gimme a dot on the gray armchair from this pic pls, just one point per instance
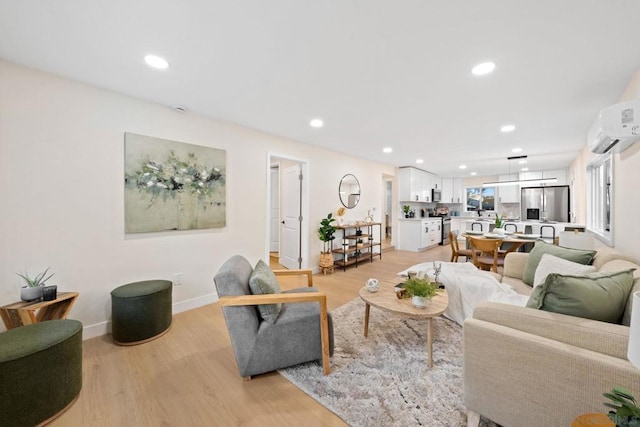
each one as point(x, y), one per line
point(302, 332)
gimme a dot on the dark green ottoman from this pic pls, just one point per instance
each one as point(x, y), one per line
point(140, 311)
point(40, 371)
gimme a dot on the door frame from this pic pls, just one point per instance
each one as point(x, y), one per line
point(305, 228)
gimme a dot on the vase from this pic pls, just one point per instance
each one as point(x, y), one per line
point(419, 302)
point(28, 293)
point(49, 293)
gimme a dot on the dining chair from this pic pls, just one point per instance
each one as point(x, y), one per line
point(510, 226)
point(485, 253)
point(455, 247)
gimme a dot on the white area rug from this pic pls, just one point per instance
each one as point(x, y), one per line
point(384, 380)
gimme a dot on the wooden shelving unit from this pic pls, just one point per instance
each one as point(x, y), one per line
point(358, 243)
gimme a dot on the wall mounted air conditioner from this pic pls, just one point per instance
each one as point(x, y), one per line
point(617, 127)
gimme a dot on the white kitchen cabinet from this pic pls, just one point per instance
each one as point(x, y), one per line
point(414, 185)
point(508, 193)
point(416, 235)
point(451, 190)
point(435, 232)
point(425, 236)
point(407, 184)
point(409, 234)
point(561, 175)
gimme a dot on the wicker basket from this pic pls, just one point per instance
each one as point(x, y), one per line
point(326, 259)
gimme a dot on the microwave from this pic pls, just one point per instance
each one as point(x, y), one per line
point(436, 195)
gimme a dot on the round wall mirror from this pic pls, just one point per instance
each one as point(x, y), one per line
point(349, 191)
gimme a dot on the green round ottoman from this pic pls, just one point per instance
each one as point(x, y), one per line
point(140, 311)
point(40, 371)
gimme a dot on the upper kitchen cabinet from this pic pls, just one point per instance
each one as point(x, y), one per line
point(451, 190)
point(414, 185)
point(409, 184)
point(508, 193)
point(560, 174)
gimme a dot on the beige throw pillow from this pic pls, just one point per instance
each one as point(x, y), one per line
point(553, 264)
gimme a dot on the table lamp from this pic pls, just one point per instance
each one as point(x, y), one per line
point(633, 353)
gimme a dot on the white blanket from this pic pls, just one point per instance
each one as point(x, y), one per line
point(467, 287)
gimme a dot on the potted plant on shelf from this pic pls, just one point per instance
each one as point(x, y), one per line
point(627, 412)
point(33, 289)
point(326, 233)
point(406, 209)
point(420, 290)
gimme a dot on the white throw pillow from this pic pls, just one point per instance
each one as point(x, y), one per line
point(552, 264)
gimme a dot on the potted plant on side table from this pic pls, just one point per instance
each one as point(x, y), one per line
point(33, 289)
point(420, 290)
point(326, 233)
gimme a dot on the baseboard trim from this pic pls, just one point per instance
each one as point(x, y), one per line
point(104, 328)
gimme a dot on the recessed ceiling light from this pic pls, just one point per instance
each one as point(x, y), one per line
point(156, 62)
point(482, 69)
point(419, 161)
point(516, 150)
point(316, 123)
point(507, 128)
point(462, 166)
point(522, 162)
point(473, 174)
point(387, 150)
point(524, 169)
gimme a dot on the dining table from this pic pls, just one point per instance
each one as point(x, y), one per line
point(514, 241)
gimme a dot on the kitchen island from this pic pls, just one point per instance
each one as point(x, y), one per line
point(547, 230)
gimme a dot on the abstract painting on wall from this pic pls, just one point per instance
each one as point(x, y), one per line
point(171, 185)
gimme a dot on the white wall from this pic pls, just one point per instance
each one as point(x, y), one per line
point(626, 168)
point(61, 178)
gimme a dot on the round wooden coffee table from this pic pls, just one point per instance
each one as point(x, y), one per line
point(386, 299)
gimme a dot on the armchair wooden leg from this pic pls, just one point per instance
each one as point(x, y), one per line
point(324, 332)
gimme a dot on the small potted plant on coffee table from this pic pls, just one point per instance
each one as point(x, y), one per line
point(420, 290)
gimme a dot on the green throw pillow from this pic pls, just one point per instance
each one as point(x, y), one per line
point(261, 282)
point(597, 296)
point(576, 255)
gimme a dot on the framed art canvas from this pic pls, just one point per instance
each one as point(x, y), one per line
point(170, 185)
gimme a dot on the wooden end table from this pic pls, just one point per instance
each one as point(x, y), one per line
point(26, 313)
point(386, 299)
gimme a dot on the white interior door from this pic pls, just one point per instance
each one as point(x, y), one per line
point(290, 244)
point(274, 244)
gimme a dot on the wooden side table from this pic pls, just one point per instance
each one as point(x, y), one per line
point(26, 313)
point(592, 420)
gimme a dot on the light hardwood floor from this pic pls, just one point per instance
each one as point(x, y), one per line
point(188, 377)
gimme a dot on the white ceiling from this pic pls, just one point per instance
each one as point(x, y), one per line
point(378, 72)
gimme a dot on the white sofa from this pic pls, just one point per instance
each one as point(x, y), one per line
point(527, 367)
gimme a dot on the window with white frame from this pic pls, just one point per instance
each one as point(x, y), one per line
point(599, 198)
point(480, 198)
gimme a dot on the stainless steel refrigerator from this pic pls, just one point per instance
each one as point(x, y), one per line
point(545, 203)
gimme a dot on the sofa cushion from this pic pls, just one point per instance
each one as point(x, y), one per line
point(552, 264)
point(576, 255)
point(621, 264)
point(598, 296)
point(261, 282)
